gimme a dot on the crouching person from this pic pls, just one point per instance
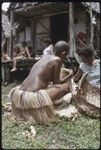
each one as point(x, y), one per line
point(88, 95)
point(33, 97)
point(89, 66)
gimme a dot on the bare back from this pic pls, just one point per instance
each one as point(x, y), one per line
point(42, 73)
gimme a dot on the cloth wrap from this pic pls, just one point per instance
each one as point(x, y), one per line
point(37, 105)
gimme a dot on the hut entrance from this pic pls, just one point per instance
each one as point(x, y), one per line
point(59, 27)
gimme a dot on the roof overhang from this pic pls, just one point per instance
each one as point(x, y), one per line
point(43, 9)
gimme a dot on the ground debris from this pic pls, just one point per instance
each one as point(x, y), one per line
point(69, 112)
point(33, 131)
point(53, 146)
point(7, 107)
point(30, 134)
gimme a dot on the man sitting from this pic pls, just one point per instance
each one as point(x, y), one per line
point(33, 96)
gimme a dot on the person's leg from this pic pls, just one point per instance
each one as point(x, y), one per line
point(14, 65)
point(58, 91)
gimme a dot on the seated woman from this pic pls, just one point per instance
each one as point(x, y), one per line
point(88, 95)
point(22, 53)
point(90, 66)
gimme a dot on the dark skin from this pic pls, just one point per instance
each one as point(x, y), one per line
point(46, 70)
point(79, 73)
point(23, 52)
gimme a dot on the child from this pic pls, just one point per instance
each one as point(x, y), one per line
point(89, 66)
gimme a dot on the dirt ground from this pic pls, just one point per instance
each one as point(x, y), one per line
point(83, 133)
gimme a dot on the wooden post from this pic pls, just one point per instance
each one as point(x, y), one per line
point(92, 27)
point(32, 34)
point(71, 29)
point(72, 37)
point(87, 28)
point(5, 73)
point(11, 37)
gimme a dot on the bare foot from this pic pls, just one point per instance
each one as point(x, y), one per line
point(5, 83)
point(14, 69)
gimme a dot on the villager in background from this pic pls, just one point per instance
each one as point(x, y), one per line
point(34, 97)
point(49, 49)
point(5, 56)
point(22, 54)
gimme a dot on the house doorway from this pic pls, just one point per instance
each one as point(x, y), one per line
point(59, 28)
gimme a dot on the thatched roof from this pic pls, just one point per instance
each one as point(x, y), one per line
point(5, 24)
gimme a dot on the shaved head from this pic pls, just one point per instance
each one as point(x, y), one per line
point(60, 47)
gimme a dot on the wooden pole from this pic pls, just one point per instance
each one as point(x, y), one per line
point(92, 27)
point(33, 33)
point(11, 37)
point(71, 29)
point(72, 34)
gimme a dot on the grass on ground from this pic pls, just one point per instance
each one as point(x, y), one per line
point(83, 133)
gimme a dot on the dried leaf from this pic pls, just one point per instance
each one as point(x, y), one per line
point(33, 131)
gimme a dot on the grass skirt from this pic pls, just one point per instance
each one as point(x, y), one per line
point(35, 105)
